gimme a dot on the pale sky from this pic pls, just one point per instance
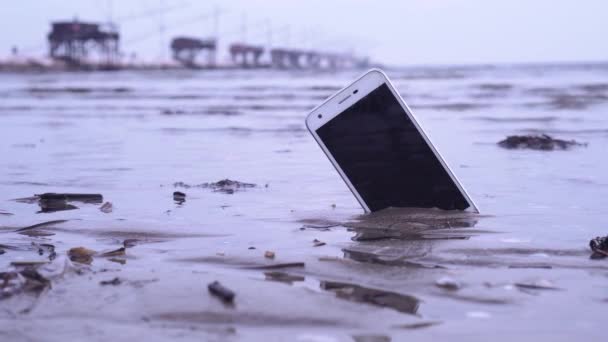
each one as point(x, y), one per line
point(397, 32)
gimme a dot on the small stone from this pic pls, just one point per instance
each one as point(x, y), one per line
point(318, 243)
point(114, 282)
point(106, 208)
point(220, 291)
point(81, 255)
point(447, 283)
point(179, 197)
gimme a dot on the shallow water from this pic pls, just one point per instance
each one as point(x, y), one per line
point(131, 135)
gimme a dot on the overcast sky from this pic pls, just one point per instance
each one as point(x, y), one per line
point(398, 32)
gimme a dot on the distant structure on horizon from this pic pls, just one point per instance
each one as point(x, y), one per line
point(186, 50)
point(73, 42)
point(88, 45)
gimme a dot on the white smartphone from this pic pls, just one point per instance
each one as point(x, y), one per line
point(374, 142)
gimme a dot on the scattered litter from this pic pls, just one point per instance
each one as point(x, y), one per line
point(283, 277)
point(277, 266)
point(85, 198)
point(382, 298)
point(28, 263)
point(117, 252)
point(51, 202)
point(541, 284)
point(27, 280)
point(114, 282)
point(128, 243)
point(106, 208)
point(420, 325)
point(320, 224)
point(599, 247)
point(373, 258)
point(226, 186)
point(448, 283)
point(269, 254)
point(319, 227)
point(36, 233)
point(40, 225)
point(223, 293)
point(118, 260)
point(537, 142)
point(179, 197)
point(81, 255)
point(318, 243)
point(371, 338)
point(46, 247)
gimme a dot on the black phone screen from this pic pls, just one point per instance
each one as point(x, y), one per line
point(386, 158)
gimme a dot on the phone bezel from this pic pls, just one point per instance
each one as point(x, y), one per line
point(346, 97)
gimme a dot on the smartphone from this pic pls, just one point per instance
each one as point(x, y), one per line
point(381, 152)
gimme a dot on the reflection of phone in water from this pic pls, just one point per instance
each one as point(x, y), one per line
point(374, 142)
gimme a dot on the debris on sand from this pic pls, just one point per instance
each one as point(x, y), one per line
point(371, 338)
point(420, 325)
point(46, 248)
point(36, 233)
point(128, 243)
point(84, 255)
point(106, 208)
point(226, 186)
point(85, 198)
point(269, 255)
point(319, 224)
point(220, 291)
point(40, 225)
point(537, 142)
point(318, 243)
point(114, 282)
point(81, 255)
point(179, 197)
point(356, 293)
point(51, 202)
point(541, 284)
point(282, 277)
point(277, 266)
point(27, 263)
point(448, 283)
point(117, 252)
point(599, 247)
point(27, 280)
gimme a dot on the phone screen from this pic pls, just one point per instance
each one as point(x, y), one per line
point(386, 158)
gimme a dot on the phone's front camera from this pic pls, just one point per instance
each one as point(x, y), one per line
point(320, 116)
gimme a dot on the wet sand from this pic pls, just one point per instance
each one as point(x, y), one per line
point(521, 269)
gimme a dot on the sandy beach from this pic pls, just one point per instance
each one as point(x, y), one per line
point(519, 270)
